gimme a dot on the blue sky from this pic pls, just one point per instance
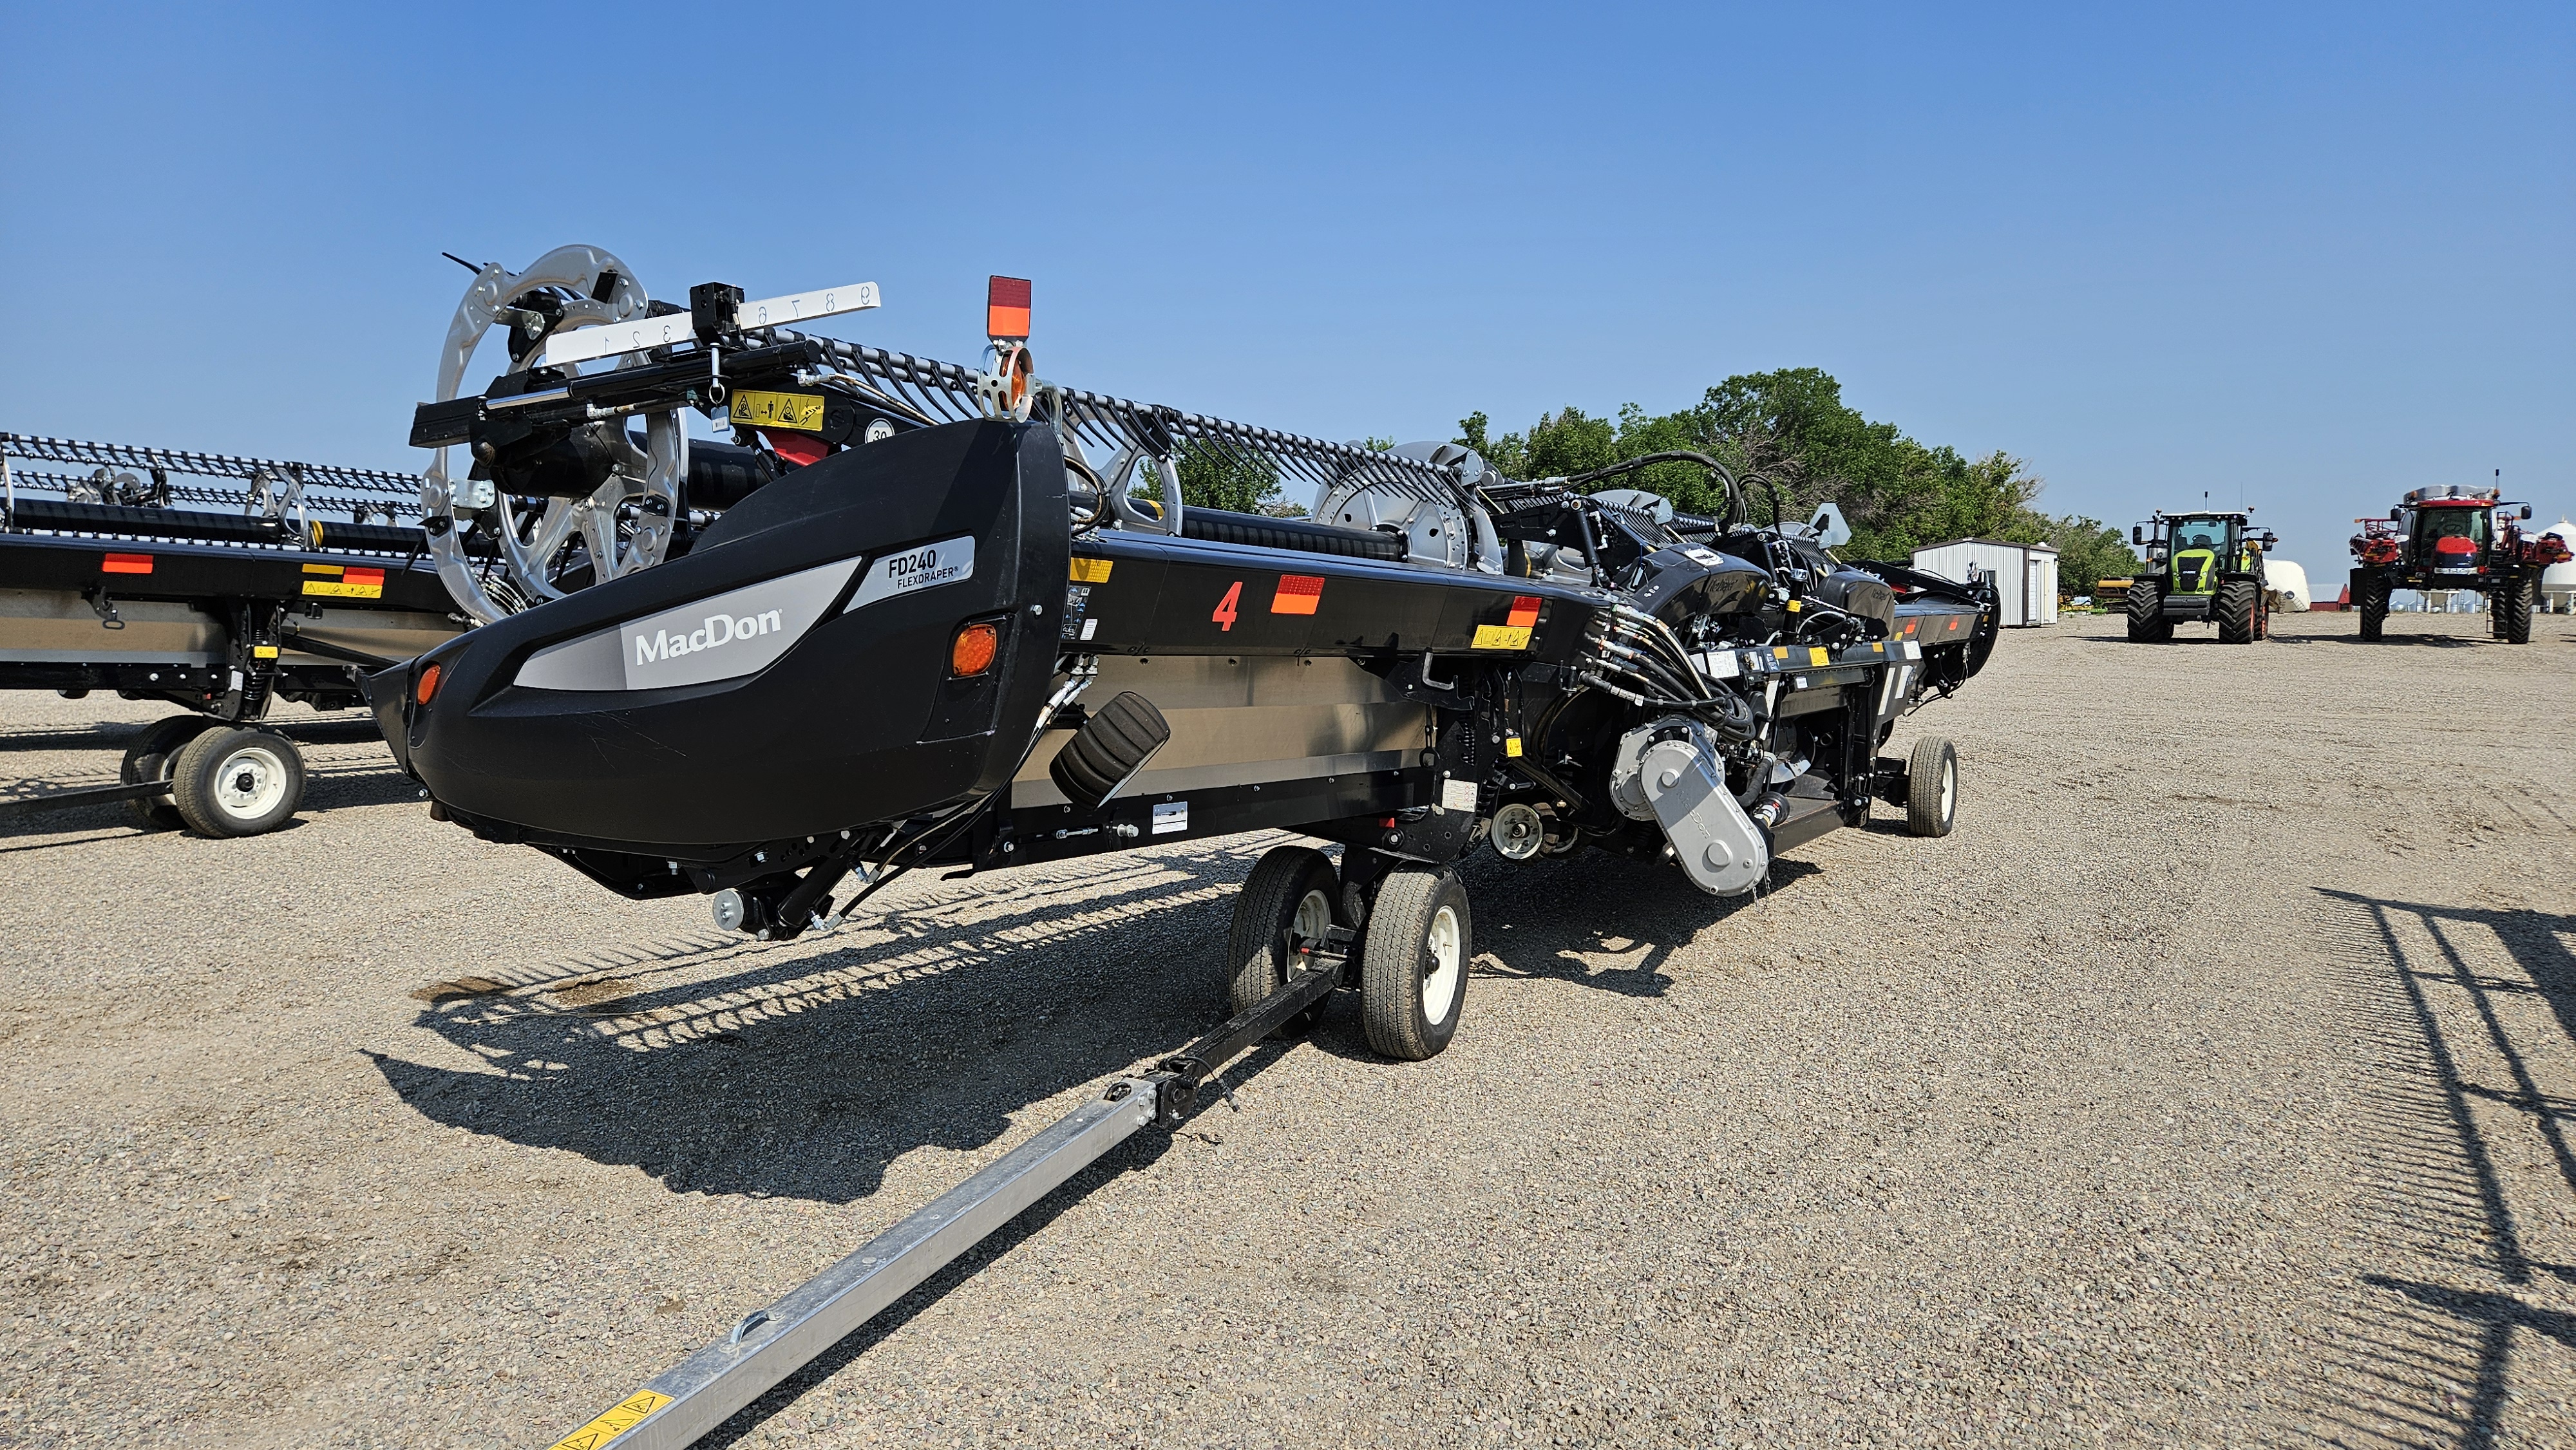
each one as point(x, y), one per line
point(2305, 257)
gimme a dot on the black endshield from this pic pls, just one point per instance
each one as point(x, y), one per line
point(614, 714)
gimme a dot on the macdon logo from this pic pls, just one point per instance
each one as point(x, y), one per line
point(720, 629)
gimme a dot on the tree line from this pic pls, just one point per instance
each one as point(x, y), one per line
point(1792, 439)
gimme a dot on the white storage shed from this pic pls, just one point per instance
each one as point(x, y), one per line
point(2025, 575)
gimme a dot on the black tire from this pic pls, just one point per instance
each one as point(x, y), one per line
point(2512, 607)
point(2234, 608)
point(232, 782)
point(2147, 622)
point(1292, 890)
point(2370, 596)
point(151, 757)
point(1931, 788)
point(1414, 962)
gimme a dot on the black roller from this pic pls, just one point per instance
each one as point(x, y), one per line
point(1113, 745)
point(1304, 535)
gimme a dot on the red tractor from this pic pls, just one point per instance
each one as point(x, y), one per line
point(2453, 538)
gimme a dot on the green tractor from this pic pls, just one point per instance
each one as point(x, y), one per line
point(2206, 566)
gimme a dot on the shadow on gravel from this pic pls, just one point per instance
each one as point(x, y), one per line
point(1556, 919)
point(2483, 1014)
point(723, 1066)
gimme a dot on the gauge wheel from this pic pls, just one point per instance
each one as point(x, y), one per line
point(1290, 894)
point(151, 757)
point(1413, 965)
point(1931, 787)
point(233, 782)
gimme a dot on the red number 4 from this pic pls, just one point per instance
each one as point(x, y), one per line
point(1225, 615)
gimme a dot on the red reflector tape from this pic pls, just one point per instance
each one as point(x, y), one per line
point(1006, 308)
point(363, 576)
point(126, 564)
point(1524, 612)
point(1297, 594)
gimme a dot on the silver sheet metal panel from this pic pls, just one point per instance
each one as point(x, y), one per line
point(1309, 718)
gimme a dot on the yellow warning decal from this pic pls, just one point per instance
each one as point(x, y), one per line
point(331, 569)
point(353, 583)
point(1780, 653)
point(1512, 746)
point(263, 651)
point(779, 410)
point(1091, 571)
point(625, 1416)
point(1501, 636)
point(1879, 648)
point(1820, 657)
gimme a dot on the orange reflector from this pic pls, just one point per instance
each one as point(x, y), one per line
point(1297, 594)
point(126, 564)
point(972, 652)
point(427, 686)
point(1006, 309)
point(1524, 612)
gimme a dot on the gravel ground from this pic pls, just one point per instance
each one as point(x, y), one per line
point(2215, 1083)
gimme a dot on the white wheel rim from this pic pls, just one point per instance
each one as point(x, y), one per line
point(1314, 919)
point(1443, 963)
point(250, 782)
point(1949, 789)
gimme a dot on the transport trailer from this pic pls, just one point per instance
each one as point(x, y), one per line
point(221, 585)
point(938, 625)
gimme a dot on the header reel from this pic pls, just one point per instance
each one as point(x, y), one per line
point(609, 506)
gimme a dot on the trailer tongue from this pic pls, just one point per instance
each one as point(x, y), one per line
point(920, 614)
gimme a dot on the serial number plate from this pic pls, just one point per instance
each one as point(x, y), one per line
point(778, 410)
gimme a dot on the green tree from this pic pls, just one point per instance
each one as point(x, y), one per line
point(1794, 444)
point(2089, 552)
point(1218, 478)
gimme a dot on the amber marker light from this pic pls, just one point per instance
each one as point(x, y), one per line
point(1006, 309)
point(427, 686)
point(972, 652)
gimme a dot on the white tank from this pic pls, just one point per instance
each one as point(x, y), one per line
point(2558, 581)
point(2285, 585)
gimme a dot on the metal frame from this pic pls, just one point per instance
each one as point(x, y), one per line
point(682, 1404)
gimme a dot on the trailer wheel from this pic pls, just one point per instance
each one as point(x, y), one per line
point(1931, 787)
point(1413, 968)
point(2147, 622)
point(2234, 610)
point(233, 782)
point(151, 757)
point(1291, 890)
point(2512, 608)
point(2370, 596)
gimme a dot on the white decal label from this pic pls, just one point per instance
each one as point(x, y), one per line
point(1171, 817)
point(739, 632)
point(927, 567)
point(1456, 794)
point(1699, 555)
